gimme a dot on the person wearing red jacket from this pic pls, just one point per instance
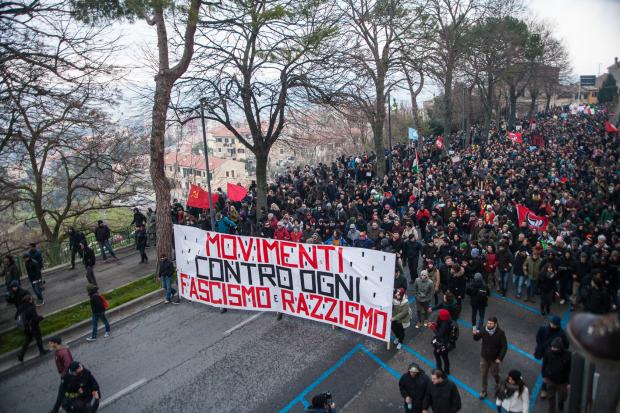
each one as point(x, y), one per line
point(490, 267)
point(296, 234)
point(63, 358)
point(281, 233)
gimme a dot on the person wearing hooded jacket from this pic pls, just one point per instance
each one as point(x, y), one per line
point(556, 373)
point(423, 290)
point(443, 341)
point(479, 294)
point(401, 316)
point(31, 320)
point(413, 387)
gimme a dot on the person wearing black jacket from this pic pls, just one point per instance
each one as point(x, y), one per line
point(400, 281)
point(80, 390)
point(76, 238)
point(492, 352)
point(15, 296)
point(505, 260)
point(141, 239)
point(443, 341)
point(413, 386)
point(31, 320)
point(479, 293)
point(443, 395)
point(166, 272)
point(411, 250)
point(89, 263)
point(139, 219)
point(34, 275)
point(547, 283)
point(556, 373)
point(98, 310)
point(102, 235)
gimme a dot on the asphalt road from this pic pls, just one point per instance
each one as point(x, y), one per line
point(191, 358)
point(66, 287)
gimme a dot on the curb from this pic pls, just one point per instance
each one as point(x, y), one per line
point(9, 362)
point(72, 305)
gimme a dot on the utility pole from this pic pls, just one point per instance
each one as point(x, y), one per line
point(206, 151)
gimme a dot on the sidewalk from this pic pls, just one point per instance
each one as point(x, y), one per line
point(66, 287)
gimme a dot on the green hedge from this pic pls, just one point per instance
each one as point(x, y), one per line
point(13, 339)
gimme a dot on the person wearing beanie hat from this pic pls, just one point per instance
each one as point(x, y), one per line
point(544, 337)
point(423, 291)
point(492, 352)
point(512, 394)
point(80, 390)
point(446, 334)
point(413, 386)
point(556, 373)
point(479, 294)
point(63, 359)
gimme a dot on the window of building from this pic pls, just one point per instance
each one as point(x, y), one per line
point(240, 150)
point(227, 174)
point(281, 151)
point(219, 149)
point(232, 173)
point(219, 140)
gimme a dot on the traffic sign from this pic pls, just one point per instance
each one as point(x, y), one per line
point(589, 80)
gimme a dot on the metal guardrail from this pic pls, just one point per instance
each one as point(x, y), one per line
point(58, 254)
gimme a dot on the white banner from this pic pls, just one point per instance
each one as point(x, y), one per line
point(343, 286)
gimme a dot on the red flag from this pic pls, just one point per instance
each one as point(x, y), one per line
point(515, 137)
point(199, 198)
point(439, 142)
point(533, 221)
point(610, 128)
point(236, 192)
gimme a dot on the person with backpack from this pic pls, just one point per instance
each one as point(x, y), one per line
point(479, 294)
point(401, 316)
point(512, 394)
point(446, 334)
point(88, 258)
point(413, 387)
point(98, 306)
point(492, 352)
point(35, 277)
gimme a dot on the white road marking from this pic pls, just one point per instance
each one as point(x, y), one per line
point(241, 324)
point(121, 393)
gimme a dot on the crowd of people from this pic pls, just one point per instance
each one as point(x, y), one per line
point(452, 222)
point(454, 227)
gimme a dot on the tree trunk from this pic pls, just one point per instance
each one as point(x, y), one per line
point(548, 103)
point(489, 103)
point(447, 111)
point(533, 97)
point(161, 185)
point(415, 112)
point(377, 133)
point(513, 107)
point(261, 182)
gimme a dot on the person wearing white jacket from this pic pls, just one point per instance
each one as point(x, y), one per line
point(512, 394)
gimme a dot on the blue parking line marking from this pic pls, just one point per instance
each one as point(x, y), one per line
point(456, 381)
point(301, 397)
point(536, 391)
point(511, 346)
point(517, 303)
point(380, 362)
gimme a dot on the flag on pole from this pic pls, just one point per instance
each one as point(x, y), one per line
point(515, 137)
point(415, 168)
point(199, 198)
point(439, 142)
point(236, 192)
point(610, 128)
point(413, 135)
point(533, 221)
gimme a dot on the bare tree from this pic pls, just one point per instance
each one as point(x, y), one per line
point(255, 59)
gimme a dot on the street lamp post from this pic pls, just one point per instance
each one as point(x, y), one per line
point(206, 151)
